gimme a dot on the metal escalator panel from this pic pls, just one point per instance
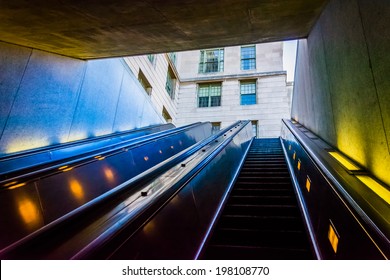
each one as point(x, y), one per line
point(261, 219)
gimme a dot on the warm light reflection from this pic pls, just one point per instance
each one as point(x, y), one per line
point(308, 183)
point(99, 157)
point(146, 158)
point(63, 167)
point(28, 211)
point(299, 165)
point(22, 145)
point(67, 169)
point(344, 161)
point(109, 174)
point(333, 238)
point(77, 136)
point(377, 188)
point(149, 228)
point(101, 132)
point(17, 186)
point(76, 189)
point(10, 183)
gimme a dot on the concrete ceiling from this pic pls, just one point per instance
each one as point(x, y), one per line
point(89, 29)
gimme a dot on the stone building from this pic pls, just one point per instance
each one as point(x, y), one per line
point(220, 85)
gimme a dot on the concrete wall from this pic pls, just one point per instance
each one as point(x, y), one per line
point(342, 88)
point(47, 99)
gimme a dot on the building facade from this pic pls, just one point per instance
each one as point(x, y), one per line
point(220, 85)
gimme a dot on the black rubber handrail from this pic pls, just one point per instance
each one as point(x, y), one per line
point(318, 155)
point(89, 210)
point(33, 171)
point(101, 246)
point(222, 204)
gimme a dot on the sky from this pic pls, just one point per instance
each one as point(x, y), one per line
point(289, 55)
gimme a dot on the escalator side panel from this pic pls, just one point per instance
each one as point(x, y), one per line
point(49, 197)
point(325, 209)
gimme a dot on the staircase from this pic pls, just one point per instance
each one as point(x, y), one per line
point(261, 219)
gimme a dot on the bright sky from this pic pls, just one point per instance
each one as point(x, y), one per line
point(289, 55)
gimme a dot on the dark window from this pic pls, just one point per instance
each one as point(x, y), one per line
point(144, 82)
point(166, 115)
point(254, 128)
point(209, 95)
point(211, 61)
point(215, 127)
point(151, 58)
point(172, 57)
point(170, 83)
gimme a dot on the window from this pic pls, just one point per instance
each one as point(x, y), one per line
point(170, 83)
point(209, 95)
point(144, 82)
point(248, 92)
point(151, 58)
point(172, 56)
point(211, 61)
point(248, 58)
point(254, 128)
point(215, 127)
point(166, 115)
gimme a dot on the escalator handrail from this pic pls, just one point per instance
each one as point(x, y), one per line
point(90, 155)
point(97, 202)
point(338, 188)
point(222, 203)
point(60, 146)
point(158, 205)
point(303, 208)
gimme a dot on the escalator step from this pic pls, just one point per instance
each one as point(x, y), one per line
point(263, 200)
point(263, 185)
point(260, 222)
point(223, 252)
point(261, 219)
point(262, 191)
point(262, 210)
point(264, 238)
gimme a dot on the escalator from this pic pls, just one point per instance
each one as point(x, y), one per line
point(261, 219)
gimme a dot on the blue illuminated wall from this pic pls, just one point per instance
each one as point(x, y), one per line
point(47, 99)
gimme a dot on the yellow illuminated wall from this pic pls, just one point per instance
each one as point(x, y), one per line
point(341, 87)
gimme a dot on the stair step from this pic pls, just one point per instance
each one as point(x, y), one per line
point(261, 219)
point(260, 222)
point(262, 191)
point(261, 210)
point(263, 200)
point(264, 180)
point(267, 238)
point(242, 185)
point(231, 252)
point(264, 173)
